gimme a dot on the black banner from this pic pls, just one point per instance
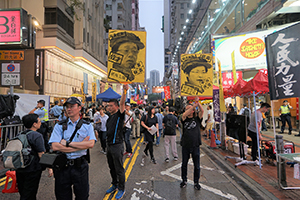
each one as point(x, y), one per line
point(283, 59)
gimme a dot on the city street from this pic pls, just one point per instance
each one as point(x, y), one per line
point(146, 180)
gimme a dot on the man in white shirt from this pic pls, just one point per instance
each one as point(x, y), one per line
point(127, 127)
point(210, 120)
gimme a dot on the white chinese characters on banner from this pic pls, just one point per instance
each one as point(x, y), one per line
point(228, 81)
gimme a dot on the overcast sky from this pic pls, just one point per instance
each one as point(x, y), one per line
point(151, 12)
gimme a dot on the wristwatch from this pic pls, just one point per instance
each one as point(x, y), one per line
point(68, 143)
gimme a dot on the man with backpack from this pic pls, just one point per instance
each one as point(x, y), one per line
point(136, 122)
point(170, 123)
point(246, 112)
point(28, 178)
point(73, 137)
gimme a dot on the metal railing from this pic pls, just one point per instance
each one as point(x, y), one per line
point(8, 132)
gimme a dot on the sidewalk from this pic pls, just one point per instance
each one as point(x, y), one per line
point(267, 176)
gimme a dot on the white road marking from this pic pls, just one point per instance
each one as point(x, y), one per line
point(205, 187)
point(146, 192)
point(134, 197)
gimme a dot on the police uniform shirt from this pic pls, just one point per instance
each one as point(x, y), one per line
point(40, 112)
point(56, 110)
point(85, 130)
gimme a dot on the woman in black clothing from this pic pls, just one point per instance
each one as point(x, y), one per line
point(147, 121)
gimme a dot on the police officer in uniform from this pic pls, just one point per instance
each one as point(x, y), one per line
point(42, 112)
point(76, 172)
point(285, 116)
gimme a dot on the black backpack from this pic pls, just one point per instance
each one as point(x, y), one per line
point(137, 113)
point(170, 125)
point(246, 112)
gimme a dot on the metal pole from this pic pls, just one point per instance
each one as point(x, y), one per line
point(273, 120)
point(11, 88)
point(257, 133)
point(249, 107)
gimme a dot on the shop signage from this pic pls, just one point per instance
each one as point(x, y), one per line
point(11, 55)
point(10, 26)
point(10, 74)
point(157, 89)
point(227, 78)
point(284, 62)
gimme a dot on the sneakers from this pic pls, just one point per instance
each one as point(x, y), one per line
point(175, 158)
point(129, 155)
point(197, 186)
point(153, 160)
point(125, 153)
point(111, 189)
point(167, 160)
point(183, 184)
point(120, 194)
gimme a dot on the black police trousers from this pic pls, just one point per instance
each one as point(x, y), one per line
point(78, 176)
point(28, 184)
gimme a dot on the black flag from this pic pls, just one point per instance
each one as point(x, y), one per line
point(283, 61)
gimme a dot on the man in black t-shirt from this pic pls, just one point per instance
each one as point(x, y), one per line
point(28, 179)
point(115, 148)
point(191, 140)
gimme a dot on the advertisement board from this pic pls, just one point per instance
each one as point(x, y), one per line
point(157, 89)
point(248, 50)
point(10, 26)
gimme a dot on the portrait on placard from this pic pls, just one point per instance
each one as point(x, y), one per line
point(196, 75)
point(126, 56)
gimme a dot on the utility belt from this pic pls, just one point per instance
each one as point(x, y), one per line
point(289, 114)
point(76, 162)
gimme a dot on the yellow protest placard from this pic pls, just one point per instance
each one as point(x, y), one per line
point(196, 75)
point(233, 68)
point(94, 92)
point(126, 56)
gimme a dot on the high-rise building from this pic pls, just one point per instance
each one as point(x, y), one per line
point(154, 78)
point(61, 45)
point(135, 23)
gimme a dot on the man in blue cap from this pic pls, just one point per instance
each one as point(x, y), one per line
point(76, 172)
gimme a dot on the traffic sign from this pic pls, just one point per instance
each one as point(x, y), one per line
point(10, 67)
point(10, 79)
point(12, 55)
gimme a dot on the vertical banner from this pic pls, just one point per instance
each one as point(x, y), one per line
point(167, 92)
point(196, 75)
point(86, 83)
point(82, 92)
point(233, 68)
point(94, 92)
point(221, 99)
point(216, 104)
point(106, 86)
point(297, 108)
point(126, 56)
point(283, 62)
point(162, 95)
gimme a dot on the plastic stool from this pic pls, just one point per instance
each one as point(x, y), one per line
point(14, 187)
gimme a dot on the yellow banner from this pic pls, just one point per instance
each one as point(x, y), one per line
point(126, 56)
point(196, 75)
point(94, 92)
point(221, 92)
point(233, 67)
point(82, 92)
point(106, 86)
point(215, 79)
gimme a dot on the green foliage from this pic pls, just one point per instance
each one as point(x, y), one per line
point(76, 5)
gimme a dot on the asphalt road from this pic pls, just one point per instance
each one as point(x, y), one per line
point(146, 180)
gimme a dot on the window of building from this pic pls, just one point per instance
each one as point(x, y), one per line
point(88, 38)
point(166, 60)
point(56, 16)
point(181, 16)
point(188, 5)
point(83, 35)
point(182, 5)
point(108, 7)
point(189, 16)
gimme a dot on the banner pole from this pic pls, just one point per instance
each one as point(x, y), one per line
point(273, 121)
point(257, 134)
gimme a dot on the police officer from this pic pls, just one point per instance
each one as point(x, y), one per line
point(285, 116)
point(76, 172)
point(42, 112)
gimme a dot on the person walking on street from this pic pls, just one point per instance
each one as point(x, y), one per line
point(190, 141)
point(210, 121)
point(160, 124)
point(252, 128)
point(147, 122)
point(170, 123)
point(56, 110)
point(41, 111)
point(100, 120)
point(115, 148)
point(76, 173)
point(136, 122)
point(285, 115)
point(127, 129)
point(28, 178)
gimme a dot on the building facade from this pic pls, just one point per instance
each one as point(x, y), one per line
point(68, 52)
point(154, 78)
